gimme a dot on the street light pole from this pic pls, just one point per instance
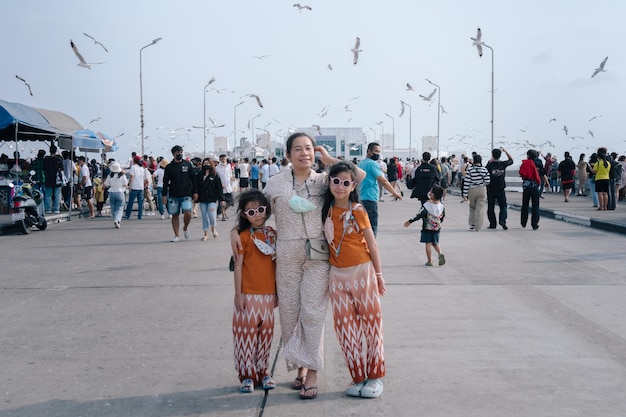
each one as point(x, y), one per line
point(235, 128)
point(382, 129)
point(438, 111)
point(141, 92)
point(492, 92)
point(204, 118)
point(252, 129)
point(393, 133)
point(410, 121)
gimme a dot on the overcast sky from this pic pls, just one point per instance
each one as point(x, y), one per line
point(545, 53)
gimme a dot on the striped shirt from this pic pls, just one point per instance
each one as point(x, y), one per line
point(475, 176)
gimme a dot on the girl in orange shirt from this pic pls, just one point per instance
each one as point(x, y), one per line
point(255, 293)
point(355, 282)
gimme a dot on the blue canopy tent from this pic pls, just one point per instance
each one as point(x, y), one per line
point(21, 122)
point(91, 141)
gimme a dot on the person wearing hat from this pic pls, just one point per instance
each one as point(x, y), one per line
point(180, 189)
point(116, 183)
point(158, 182)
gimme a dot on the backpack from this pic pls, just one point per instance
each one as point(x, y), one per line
point(432, 222)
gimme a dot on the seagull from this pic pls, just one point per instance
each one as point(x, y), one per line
point(523, 130)
point(591, 134)
point(96, 42)
point(430, 96)
point(300, 7)
point(565, 130)
point(330, 67)
point(318, 128)
point(347, 108)
point(211, 81)
point(402, 108)
point(595, 117)
point(478, 43)
point(409, 87)
point(95, 120)
point(324, 111)
point(258, 99)
point(82, 62)
point(260, 57)
point(551, 120)
point(219, 90)
point(600, 68)
point(443, 110)
point(356, 50)
point(25, 82)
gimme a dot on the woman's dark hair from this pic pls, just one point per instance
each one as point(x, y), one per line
point(247, 197)
point(581, 158)
point(602, 155)
point(294, 137)
point(211, 166)
point(339, 167)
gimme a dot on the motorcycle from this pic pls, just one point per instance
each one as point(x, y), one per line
point(27, 208)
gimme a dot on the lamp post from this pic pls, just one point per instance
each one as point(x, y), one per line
point(410, 121)
point(204, 115)
point(393, 133)
point(382, 129)
point(252, 128)
point(235, 126)
point(268, 142)
point(438, 111)
point(141, 91)
point(492, 91)
point(372, 129)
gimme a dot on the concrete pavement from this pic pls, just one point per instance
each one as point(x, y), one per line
point(103, 322)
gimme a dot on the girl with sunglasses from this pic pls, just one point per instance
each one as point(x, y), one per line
point(255, 293)
point(355, 282)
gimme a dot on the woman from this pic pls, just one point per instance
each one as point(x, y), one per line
point(116, 183)
point(209, 196)
point(591, 178)
point(475, 190)
point(582, 175)
point(158, 182)
point(601, 170)
point(532, 173)
point(392, 174)
point(296, 197)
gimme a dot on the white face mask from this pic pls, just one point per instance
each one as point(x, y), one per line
point(264, 247)
point(300, 205)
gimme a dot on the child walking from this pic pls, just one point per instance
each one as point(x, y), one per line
point(255, 293)
point(355, 282)
point(432, 214)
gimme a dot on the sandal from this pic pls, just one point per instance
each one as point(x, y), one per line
point(247, 386)
point(268, 383)
point(303, 393)
point(298, 383)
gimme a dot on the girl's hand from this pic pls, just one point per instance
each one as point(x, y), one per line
point(240, 304)
point(382, 290)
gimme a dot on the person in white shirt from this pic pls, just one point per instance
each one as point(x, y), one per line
point(225, 171)
point(244, 174)
point(138, 183)
point(265, 173)
point(274, 168)
point(85, 185)
point(158, 181)
point(116, 183)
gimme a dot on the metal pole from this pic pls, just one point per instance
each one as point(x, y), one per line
point(141, 91)
point(438, 111)
point(235, 126)
point(492, 93)
point(204, 117)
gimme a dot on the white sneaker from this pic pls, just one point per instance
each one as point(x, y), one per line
point(187, 235)
point(174, 239)
point(162, 216)
point(373, 388)
point(354, 390)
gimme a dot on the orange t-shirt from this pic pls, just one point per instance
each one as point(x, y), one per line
point(258, 275)
point(354, 250)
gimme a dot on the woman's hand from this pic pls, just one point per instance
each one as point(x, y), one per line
point(240, 303)
point(235, 243)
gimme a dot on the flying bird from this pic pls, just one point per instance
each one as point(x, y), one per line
point(402, 108)
point(600, 68)
point(211, 81)
point(478, 43)
point(523, 130)
point(318, 128)
point(591, 134)
point(595, 117)
point(95, 120)
point(565, 130)
point(300, 7)
point(258, 99)
point(347, 107)
point(25, 82)
point(96, 42)
point(356, 50)
point(82, 62)
point(260, 57)
point(330, 67)
point(409, 87)
point(430, 96)
point(551, 120)
point(443, 110)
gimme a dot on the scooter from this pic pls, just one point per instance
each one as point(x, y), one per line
point(27, 208)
